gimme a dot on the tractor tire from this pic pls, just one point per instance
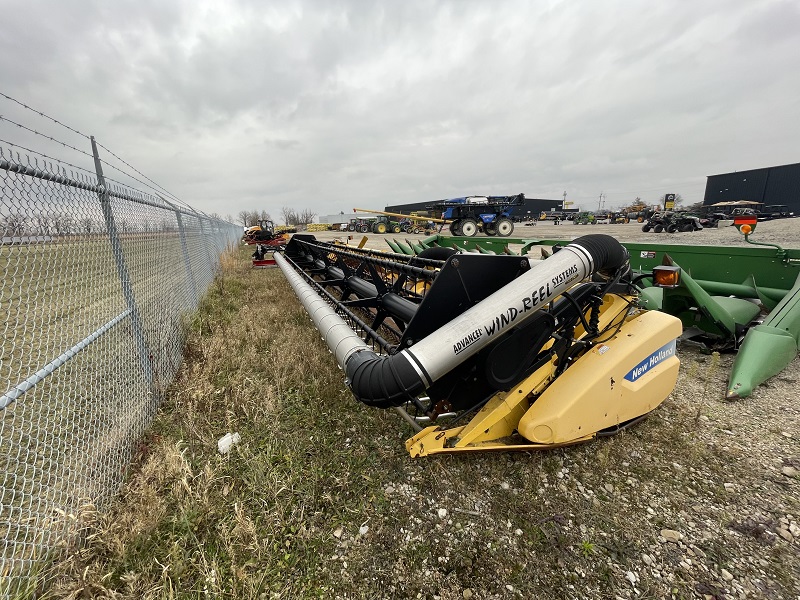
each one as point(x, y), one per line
point(646, 228)
point(364, 229)
point(658, 228)
point(351, 227)
point(505, 227)
point(396, 229)
point(380, 228)
point(640, 219)
point(415, 230)
point(687, 227)
point(469, 228)
point(672, 228)
point(455, 228)
point(490, 229)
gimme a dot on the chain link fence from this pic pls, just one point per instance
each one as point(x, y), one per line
point(97, 279)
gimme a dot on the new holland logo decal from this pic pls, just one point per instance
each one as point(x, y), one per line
point(651, 361)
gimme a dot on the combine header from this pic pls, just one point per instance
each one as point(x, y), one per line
point(490, 352)
point(266, 240)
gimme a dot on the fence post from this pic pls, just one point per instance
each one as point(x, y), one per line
point(186, 262)
point(122, 271)
point(205, 238)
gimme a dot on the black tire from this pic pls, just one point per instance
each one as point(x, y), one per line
point(396, 229)
point(658, 228)
point(645, 228)
point(672, 228)
point(415, 230)
point(687, 227)
point(490, 229)
point(379, 228)
point(364, 229)
point(455, 228)
point(505, 227)
point(469, 228)
point(351, 227)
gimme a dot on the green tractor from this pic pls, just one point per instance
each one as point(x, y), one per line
point(383, 224)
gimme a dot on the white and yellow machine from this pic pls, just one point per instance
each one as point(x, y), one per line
point(483, 352)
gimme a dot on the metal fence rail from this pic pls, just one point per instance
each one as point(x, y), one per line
point(97, 279)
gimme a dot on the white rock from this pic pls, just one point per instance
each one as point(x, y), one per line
point(631, 576)
point(785, 534)
point(505, 486)
point(726, 575)
point(466, 594)
point(363, 530)
point(671, 535)
point(442, 512)
point(648, 560)
point(337, 533)
point(729, 487)
point(790, 471)
point(609, 487)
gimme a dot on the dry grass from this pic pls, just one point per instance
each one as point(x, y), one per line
point(320, 500)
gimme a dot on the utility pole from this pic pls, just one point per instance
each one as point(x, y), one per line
point(564, 201)
point(600, 202)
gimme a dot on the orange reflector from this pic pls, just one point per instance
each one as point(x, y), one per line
point(666, 277)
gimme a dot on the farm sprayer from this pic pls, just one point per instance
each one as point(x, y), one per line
point(485, 351)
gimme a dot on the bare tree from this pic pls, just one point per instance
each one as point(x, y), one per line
point(244, 217)
point(87, 225)
point(306, 216)
point(42, 224)
point(289, 216)
point(265, 216)
point(63, 223)
point(14, 224)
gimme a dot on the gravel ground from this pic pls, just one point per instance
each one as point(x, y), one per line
point(704, 496)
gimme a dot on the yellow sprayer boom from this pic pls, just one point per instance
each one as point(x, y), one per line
point(399, 215)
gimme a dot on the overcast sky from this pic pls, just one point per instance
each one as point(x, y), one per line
point(331, 105)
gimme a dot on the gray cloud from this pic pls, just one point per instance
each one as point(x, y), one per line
point(330, 105)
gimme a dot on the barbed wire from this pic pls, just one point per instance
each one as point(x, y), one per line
point(40, 113)
point(157, 186)
point(43, 155)
point(52, 139)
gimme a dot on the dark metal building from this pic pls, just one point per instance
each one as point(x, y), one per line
point(771, 185)
point(531, 208)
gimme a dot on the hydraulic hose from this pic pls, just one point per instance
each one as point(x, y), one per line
point(384, 381)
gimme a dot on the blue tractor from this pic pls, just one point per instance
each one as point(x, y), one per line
point(468, 215)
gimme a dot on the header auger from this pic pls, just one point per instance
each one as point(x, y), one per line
point(490, 352)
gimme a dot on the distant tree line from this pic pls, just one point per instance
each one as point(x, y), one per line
point(289, 215)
